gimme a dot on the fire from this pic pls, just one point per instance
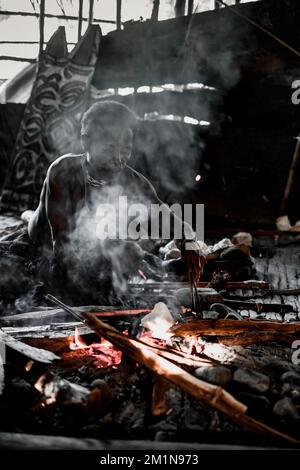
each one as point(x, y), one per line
point(104, 352)
point(77, 342)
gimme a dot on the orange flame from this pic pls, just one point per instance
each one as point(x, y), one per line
point(77, 342)
point(104, 352)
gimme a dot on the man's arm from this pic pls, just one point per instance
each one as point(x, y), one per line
point(49, 222)
point(187, 233)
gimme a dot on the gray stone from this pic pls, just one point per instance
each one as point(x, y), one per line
point(252, 379)
point(290, 317)
point(273, 316)
point(219, 375)
point(291, 377)
point(256, 403)
point(244, 313)
point(99, 383)
point(292, 391)
point(286, 409)
point(210, 315)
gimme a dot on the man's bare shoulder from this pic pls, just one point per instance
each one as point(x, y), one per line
point(67, 163)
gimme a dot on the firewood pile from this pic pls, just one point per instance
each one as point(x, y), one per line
point(160, 373)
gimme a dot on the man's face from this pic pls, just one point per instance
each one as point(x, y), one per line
point(110, 149)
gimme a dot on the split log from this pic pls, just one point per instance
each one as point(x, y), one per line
point(233, 327)
point(39, 355)
point(214, 396)
point(21, 441)
point(58, 315)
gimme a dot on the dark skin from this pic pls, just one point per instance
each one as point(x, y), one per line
point(108, 152)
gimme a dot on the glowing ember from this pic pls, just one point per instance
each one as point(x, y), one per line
point(105, 354)
point(142, 274)
point(198, 178)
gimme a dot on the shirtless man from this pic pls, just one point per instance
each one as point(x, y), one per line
point(73, 182)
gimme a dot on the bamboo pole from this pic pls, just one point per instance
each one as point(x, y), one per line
point(17, 59)
point(41, 27)
point(190, 7)
point(291, 176)
point(119, 13)
point(80, 19)
point(91, 12)
point(155, 10)
point(180, 8)
point(49, 15)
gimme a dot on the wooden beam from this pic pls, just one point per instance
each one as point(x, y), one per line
point(190, 7)
point(119, 13)
point(91, 12)
point(17, 59)
point(155, 10)
point(41, 27)
point(80, 19)
point(29, 42)
point(217, 5)
point(49, 15)
point(180, 8)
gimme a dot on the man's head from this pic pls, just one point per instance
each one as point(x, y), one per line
point(107, 135)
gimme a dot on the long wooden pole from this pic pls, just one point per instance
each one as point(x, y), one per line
point(91, 12)
point(41, 24)
point(49, 15)
point(80, 18)
point(291, 176)
point(180, 8)
point(119, 13)
point(190, 7)
point(155, 10)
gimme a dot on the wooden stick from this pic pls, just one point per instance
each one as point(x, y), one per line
point(39, 355)
point(291, 176)
point(80, 9)
point(48, 15)
point(180, 8)
point(41, 26)
point(91, 12)
point(190, 7)
point(17, 59)
point(214, 396)
point(155, 10)
point(119, 13)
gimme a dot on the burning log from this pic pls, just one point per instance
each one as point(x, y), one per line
point(39, 355)
point(214, 396)
point(233, 327)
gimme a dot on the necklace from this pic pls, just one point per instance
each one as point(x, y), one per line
point(95, 183)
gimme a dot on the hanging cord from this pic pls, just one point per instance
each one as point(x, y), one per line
point(266, 31)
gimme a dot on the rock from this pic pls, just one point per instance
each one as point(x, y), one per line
point(210, 315)
point(245, 313)
point(292, 391)
point(253, 314)
point(163, 436)
point(256, 403)
point(283, 223)
point(290, 317)
point(219, 375)
point(252, 379)
point(99, 383)
point(285, 408)
point(291, 377)
point(194, 420)
point(242, 238)
point(273, 316)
